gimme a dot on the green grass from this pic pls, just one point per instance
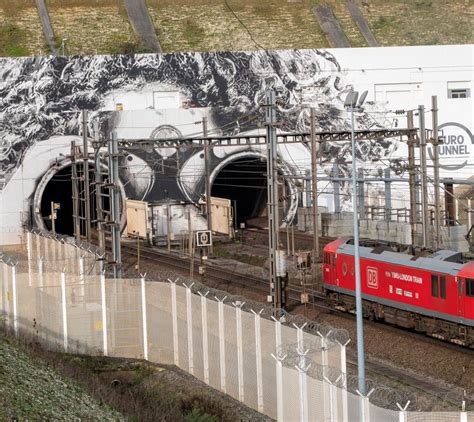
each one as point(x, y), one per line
point(12, 41)
point(31, 390)
point(193, 32)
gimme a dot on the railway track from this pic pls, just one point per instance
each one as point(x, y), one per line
point(302, 240)
point(219, 274)
point(224, 275)
point(260, 285)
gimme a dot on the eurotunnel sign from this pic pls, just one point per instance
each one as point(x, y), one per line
point(456, 147)
point(203, 238)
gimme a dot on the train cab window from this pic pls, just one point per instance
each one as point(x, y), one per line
point(470, 287)
point(434, 286)
point(460, 286)
point(334, 261)
point(442, 287)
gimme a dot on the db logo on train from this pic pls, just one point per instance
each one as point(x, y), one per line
point(372, 278)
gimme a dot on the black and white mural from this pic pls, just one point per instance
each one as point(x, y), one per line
point(40, 95)
point(164, 96)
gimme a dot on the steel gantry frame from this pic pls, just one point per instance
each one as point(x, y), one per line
point(261, 139)
point(269, 140)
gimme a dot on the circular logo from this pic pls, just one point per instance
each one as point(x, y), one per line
point(455, 149)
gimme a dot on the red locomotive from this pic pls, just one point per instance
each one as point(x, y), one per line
point(428, 292)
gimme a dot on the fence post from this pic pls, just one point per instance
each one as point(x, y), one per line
point(345, 417)
point(333, 414)
point(364, 405)
point(5, 295)
point(29, 246)
point(220, 308)
point(64, 308)
point(174, 311)
point(303, 383)
point(82, 275)
point(258, 357)
point(15, 316)
point(240, 354)
point(2, 304)
point(277, 333)
point(144, 318)
point(46, 248)
point(324, 363)
point(40, 272)
point(279, 387)
point(402, 414)
point(38, 245)
point(104, 314)
point(300, 343)
point(205, 347)
point(189, 326)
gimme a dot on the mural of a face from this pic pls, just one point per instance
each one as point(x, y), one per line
point(41, 97)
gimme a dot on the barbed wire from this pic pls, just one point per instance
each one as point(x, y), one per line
point(307, 355)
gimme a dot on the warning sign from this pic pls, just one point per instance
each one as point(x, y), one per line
point(204, 238)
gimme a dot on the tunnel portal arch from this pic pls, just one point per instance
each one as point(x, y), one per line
point(242, 178)
point(56, 185)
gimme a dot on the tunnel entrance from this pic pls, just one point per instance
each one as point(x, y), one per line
point(244, 182)
point(59, 190)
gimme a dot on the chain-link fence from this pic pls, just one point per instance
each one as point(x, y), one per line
point(282, 365)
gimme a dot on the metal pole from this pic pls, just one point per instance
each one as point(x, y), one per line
point(314, 188)
point(360, 327)
point(424, 178)
point(75, 194)
point(292, 240)
point(138, 252)
point(272, 204)
point(287, 231)
point(191, 255)
point(168, 226)
point(115, 203)
point(207, 167)
point(469, 215)
point(388, 195)
point(434, 106)
point(87, 195)
point(53, 218)
point(98, 198)
point(412, 177)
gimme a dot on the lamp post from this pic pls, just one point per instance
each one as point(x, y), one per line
point(351, 104)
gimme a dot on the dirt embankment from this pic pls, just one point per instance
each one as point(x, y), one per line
point(31, 390)
point(36, 384)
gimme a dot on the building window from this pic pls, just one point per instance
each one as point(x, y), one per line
point(459, 89)
point(434, 286)
point(470, 287)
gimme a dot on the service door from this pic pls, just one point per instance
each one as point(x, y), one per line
point(461, 296)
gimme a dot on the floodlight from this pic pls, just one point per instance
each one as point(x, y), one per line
point(351, 99)
point(362, 98)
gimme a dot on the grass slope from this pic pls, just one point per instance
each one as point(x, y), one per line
point(30, 390)
point(102, 26)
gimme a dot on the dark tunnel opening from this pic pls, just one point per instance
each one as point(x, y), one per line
point(59, 190)
point(244, 182)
